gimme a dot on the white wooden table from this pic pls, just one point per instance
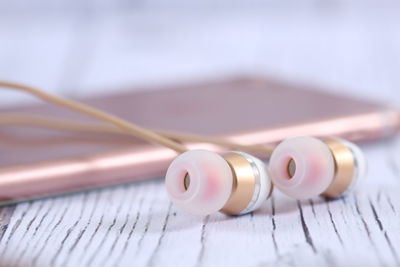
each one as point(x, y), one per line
point(351, 47)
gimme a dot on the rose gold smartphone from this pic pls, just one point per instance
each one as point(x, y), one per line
point(37, 162)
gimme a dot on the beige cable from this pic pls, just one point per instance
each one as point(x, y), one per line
point(70, 125)
point(262, 150)
point(96, 113)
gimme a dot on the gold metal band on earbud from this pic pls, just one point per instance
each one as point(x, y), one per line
point(344, 168)
point(244, 182)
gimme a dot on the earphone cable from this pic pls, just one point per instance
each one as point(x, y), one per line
point(70, 125)
point(101, 115)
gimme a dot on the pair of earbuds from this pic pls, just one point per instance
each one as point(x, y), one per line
point(202, 182)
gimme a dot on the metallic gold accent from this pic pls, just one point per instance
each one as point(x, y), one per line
point(344, 168)
point(257, 185)
point(243, 184)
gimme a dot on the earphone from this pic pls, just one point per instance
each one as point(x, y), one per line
point(305, 167)
point(301, 167)
point(202, 182)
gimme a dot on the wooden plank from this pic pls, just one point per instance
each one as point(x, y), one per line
point(136, 225)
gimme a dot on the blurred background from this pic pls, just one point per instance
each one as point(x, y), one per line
point(83, 47)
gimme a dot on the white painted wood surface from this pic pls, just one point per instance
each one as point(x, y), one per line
point(353, 47)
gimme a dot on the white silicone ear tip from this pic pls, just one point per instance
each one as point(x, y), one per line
point(210, 182)
point(263, 183)
point(314, 167)
point(360, 164)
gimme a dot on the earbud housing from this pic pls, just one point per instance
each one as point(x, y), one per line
point(251, 183)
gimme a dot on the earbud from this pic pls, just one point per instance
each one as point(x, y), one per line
point(202, 182)
point(305, 167)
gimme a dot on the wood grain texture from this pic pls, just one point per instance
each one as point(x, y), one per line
point(135, 225)
point(342, 45)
